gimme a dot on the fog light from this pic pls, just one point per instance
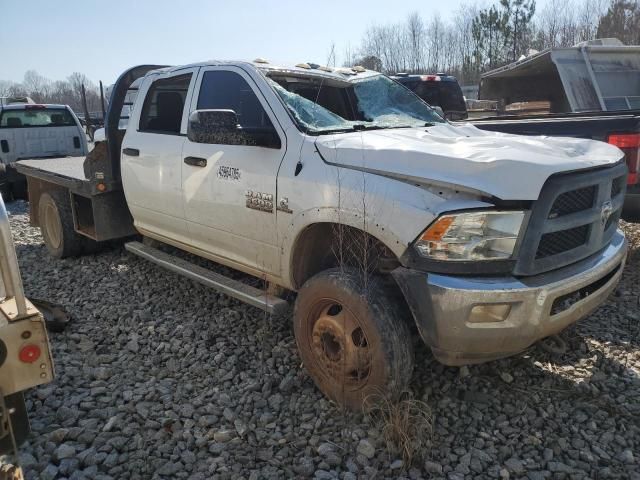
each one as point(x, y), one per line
point(490, 312)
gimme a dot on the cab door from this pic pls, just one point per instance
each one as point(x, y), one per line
point(152, 155)
point(229, 190)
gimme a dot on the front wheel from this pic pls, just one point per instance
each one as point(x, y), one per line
point(352, 337)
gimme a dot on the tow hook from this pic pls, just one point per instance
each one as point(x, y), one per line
point(554, 345)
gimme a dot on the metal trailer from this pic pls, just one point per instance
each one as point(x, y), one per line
point(598, 75)
point(25, 355)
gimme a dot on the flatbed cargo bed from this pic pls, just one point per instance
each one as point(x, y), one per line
point(99, 210)
point(64, 171)
point(93, 183)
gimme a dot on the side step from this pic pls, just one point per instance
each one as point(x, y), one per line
point(245, 293)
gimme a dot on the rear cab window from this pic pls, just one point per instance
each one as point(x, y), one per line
point(446, 94)
point(164, 104)
point(36, 117)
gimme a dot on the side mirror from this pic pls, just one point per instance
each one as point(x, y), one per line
point(221, 127)
point(438, 110)
point(214, 126)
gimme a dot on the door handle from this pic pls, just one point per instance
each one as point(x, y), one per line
point(132, 152)
point(195, 161)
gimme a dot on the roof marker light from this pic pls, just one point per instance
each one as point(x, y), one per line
point(260, 60)
point(345, 71)
point(306, 66)
point(359, 69)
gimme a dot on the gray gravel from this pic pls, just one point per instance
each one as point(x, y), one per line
point(158, 377)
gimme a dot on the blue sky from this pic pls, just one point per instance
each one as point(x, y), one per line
point(102, 38)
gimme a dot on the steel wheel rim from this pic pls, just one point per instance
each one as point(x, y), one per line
point(339, 344)
point(52, 225)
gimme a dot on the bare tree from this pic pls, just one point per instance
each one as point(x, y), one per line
point(36, 86)
point(43, 90)
point(436, 35)
point(416, 41)
point(349, 58)
point(5, 88)
point(331, 57)
point(477, 39)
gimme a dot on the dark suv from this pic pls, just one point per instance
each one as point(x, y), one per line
point(438, 90)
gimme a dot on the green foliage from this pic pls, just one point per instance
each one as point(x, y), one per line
point(621, 21)
point(491, 32)
point(501, 32)
point(520, 13)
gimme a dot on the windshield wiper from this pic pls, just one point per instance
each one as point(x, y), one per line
point(353, 128)
point(362, 126)
point(359, 127)
point(334, 130)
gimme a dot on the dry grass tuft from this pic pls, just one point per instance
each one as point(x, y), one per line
point(406, 425)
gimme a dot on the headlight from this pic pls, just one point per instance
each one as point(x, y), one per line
point(471, 236)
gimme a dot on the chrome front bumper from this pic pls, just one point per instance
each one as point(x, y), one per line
point(450, 311)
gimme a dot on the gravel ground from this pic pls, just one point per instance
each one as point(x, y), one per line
point(158, 377)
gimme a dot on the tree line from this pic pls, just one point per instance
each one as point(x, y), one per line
point(44, 90)
point(474, 40)
point(478, 39)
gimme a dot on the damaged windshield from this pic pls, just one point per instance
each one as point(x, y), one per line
point(326, 105)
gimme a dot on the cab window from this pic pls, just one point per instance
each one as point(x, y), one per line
point(164, 104)
point(36, 116)
point(228, 90)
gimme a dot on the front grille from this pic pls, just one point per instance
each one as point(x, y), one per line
point(617, 186)
point(573, 201)
point(558, 242)
point(574, 217)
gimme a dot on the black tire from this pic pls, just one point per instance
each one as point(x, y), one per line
point(6, 192)
point(353, 339)
point(20, 190)
point(56, 225)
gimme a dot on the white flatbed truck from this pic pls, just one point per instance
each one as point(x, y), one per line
point(343, 187)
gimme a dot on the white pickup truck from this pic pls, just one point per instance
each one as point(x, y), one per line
point(344, 187)
point(29, 130)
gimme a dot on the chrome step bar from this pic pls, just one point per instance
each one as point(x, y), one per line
point(245, 293)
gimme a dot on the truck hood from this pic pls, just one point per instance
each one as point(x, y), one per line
point(509, 167)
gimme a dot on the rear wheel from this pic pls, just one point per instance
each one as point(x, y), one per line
point(352, 337)
point(20, 190)
point(6, 192)
point(56, 225)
